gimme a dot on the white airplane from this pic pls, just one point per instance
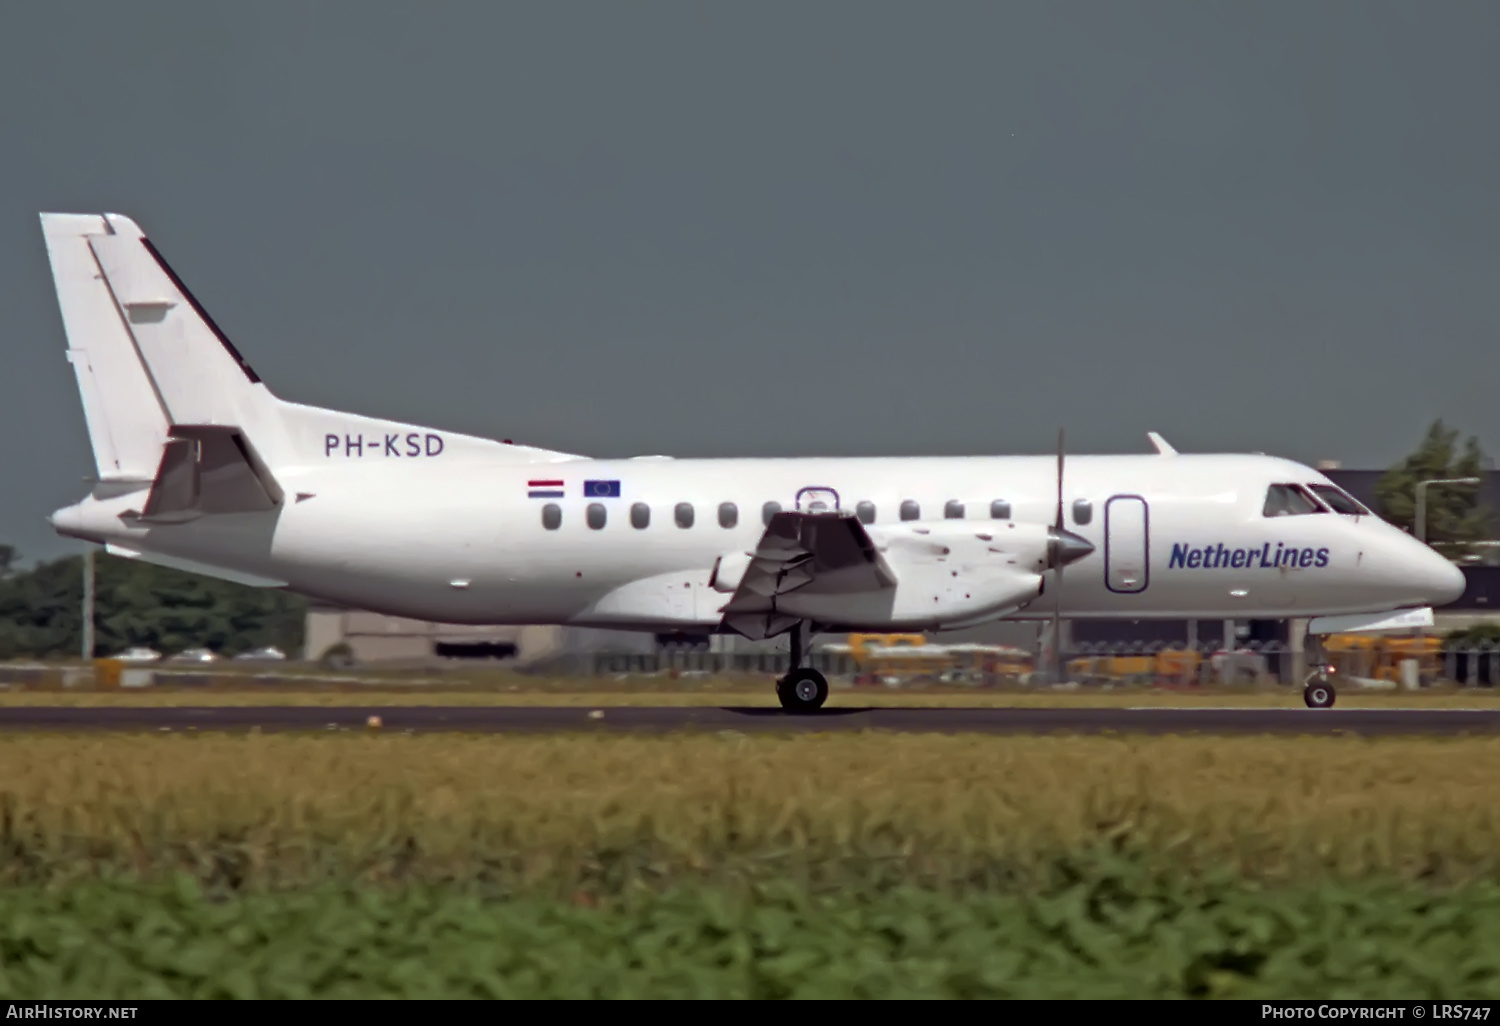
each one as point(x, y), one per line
point(202, 468)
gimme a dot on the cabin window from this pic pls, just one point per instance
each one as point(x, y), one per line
point(954, 510)
point(1288, 500)
point(729, 514)
point(910, 510)
point(1339, 500)
point(684, 514)
point(1083, 511)
point(999, 510)
point(768, 511)
point(596, 515)
point(866, 512)
point(552, 516)
point(640, 516)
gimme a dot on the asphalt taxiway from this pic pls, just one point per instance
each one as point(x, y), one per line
point(645, 719)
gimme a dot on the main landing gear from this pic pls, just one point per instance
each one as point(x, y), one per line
point(803, 689)
point(1318, 691)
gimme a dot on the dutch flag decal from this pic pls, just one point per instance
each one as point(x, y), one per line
point(544, 489)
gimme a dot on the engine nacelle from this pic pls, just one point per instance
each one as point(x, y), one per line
point(948, 573)
point(729, 571)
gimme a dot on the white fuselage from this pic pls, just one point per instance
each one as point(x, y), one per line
point(201, 467)
point(463, 541)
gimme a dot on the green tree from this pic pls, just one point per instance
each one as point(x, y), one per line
point(136, 603)
point(1454, 513)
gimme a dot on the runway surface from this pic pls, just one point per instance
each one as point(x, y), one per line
point(640, 719)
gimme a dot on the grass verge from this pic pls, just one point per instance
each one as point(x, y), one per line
point(1108, 928)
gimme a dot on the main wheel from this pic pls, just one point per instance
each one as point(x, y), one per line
point(802, 691)
point(1318, 695)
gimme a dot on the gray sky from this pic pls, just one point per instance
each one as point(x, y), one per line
point(781, 228)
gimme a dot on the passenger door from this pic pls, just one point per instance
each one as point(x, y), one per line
point(1127, 544)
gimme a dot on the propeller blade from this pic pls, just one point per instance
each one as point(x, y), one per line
point(1059, 479)
point(1057, 654)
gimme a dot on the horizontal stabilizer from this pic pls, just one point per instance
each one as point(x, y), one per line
point(207, 469)
point(1393, 620)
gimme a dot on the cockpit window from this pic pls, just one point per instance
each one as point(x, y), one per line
point(1289, 500)
point(1339, 500)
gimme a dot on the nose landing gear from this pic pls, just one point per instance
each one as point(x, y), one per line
point(803, 689)
point(1317, 690)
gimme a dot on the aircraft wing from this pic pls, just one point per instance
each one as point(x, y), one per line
point(809, 554)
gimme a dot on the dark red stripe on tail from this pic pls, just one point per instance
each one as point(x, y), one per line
point(198, 308)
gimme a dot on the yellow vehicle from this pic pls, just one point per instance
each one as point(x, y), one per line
point(1169, 667)
point(897, 658)
point(1376, 657)
point(1179, 668)
point(1112, 666)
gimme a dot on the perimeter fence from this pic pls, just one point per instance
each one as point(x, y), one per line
point(1160, 663)
point(1391, 663)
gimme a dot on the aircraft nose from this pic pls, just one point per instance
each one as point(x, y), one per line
point(1444, 581)
point(1065, 547)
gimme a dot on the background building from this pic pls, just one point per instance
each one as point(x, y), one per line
point(372, 638)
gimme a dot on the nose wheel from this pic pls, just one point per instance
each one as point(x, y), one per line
point(803, 689)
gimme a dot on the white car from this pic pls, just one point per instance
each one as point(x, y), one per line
point(194, 655)
point(269, 652)
point(139, 654)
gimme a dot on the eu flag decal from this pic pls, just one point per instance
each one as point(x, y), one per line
point(601, 489)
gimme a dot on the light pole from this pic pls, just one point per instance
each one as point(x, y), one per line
point(88, 606)
point(1421, 531)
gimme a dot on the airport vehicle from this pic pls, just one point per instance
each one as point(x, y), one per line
point(1171, 667)
point(897, 658)
point(202, 468)
point(193, 655)
point(1378, 658)
point(268, 654)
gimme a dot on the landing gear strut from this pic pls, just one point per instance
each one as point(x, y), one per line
point(803, 689)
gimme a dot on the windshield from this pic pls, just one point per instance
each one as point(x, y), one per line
point(1289, 500)
point(1339, 500)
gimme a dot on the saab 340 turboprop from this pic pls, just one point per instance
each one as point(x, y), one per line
point(202, 468)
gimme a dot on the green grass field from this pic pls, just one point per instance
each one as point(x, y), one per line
point(1114, 931)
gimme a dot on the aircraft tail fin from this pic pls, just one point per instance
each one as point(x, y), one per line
point(127, 422)
point(170, 401)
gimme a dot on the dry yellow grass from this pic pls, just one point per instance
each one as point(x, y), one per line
point(281, 807)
